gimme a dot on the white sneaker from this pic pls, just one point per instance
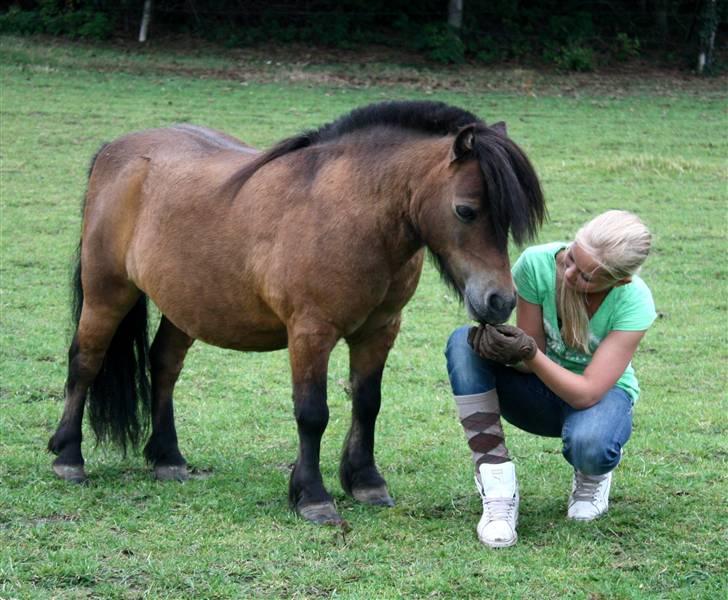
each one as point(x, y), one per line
point(589, 496)
point(499, 491)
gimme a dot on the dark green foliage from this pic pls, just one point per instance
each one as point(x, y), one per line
point(483, 47)
point(332, 29)
point(21, 21)
point(570, 27)
point(571, 57)
point(335, 29)
point(441, 43)
point(80, 19)
point(572, 34)
point(625, 47)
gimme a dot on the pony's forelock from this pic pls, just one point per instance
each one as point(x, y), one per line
point(514, 200)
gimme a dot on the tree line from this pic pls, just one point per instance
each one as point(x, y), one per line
point(573, 34)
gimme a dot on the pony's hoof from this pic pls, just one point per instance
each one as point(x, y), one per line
point(320, 513)
point(171, 473)
point(71, 473)
point(377, 496)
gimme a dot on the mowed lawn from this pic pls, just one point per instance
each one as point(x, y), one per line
point(228, 533)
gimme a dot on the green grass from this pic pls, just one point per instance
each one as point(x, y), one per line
point(228, 532)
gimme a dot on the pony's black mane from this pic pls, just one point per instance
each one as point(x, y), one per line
point(514, 199)
point(434, 118)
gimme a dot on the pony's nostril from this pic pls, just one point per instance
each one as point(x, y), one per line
point(496, 302)
point(500, 304)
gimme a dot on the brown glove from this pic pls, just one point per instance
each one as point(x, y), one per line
point(502, 343)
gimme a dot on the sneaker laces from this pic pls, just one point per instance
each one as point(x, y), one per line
point(586, 488)
point(498, 508)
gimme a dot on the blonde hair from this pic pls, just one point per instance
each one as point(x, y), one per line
point(619, 242)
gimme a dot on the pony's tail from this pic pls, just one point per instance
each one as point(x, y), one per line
point(119, 399)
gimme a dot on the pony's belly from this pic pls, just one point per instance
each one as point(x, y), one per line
point(240, 335)
point(249, 327)
point(248, 341)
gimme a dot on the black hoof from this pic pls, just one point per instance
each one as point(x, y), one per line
point(171, 473)
point(71, 473)
point(377, 496)
point(320, 513)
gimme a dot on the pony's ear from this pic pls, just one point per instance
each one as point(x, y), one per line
point(463, 144)
point(500, 128)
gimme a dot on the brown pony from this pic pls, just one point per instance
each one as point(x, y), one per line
point(318, 239)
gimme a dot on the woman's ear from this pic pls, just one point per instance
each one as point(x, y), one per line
point(623, 281)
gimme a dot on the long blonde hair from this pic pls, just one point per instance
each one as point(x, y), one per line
point(619, 242)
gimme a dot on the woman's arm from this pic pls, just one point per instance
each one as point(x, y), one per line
point(529, 318)
point(606, 367)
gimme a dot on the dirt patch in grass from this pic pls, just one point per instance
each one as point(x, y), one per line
point(52, 519)
point(375, 68)
point(384, 67)
point(369, 66)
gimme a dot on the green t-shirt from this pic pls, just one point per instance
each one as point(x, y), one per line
point(625, 308)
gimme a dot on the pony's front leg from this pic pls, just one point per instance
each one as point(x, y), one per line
point(358, 472)
point(166, 357)
point(309, 347)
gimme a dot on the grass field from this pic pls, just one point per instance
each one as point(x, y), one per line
point(228, 533)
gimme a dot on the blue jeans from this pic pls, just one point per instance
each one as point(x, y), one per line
point(592, 437)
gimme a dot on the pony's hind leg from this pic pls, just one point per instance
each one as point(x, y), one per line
point(95, 331)
point(66, 441)
point(166, 357)
point(358, 472)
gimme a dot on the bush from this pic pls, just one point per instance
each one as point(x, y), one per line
point(441, 43)
point(625, 47)
point(571, 57)
point(59, 20)
point(25, 22)
point(485, 48)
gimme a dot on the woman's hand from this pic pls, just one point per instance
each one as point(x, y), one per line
point(502, 343)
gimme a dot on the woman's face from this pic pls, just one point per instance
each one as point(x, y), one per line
point(582, 272)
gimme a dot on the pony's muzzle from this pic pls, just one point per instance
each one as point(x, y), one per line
point(500, 305)
point(493, 306)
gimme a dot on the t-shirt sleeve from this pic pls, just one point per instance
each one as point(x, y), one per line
point(525, 278)
point(636, 310)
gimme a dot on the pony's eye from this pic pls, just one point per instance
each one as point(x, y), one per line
point(465, 213)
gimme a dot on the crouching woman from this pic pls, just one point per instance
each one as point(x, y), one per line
point(564, 371)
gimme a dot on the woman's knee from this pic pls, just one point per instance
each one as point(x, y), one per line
point(594, 437)
point(592, 454)
point(468, 372)
point(457, 342)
